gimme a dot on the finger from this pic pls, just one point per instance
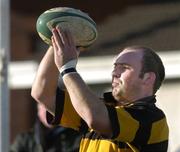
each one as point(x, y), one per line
point(70, 38)
point(53, 43)
point(72, 42)
point(62, 35)
point(55, 48)
point(57, 39)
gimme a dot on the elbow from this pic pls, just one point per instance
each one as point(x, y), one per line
point(91, 121)
point(101, 125)
point(36, 95)
point(90, 124)
point(94, 124)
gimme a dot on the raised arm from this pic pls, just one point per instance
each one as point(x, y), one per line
point(86, 103)
point(46, 80)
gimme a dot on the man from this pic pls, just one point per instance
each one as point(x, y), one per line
point(44, 137)
point(124, 120)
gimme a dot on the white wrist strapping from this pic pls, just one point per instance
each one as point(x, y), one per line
point(69, 67)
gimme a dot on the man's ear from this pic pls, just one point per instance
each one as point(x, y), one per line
point(149, 77)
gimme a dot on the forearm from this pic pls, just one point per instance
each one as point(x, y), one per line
point(45, 83)
point(87, 104)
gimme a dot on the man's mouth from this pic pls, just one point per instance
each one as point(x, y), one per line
point(115, 84)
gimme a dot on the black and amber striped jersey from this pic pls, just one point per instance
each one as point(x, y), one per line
point(137, 127)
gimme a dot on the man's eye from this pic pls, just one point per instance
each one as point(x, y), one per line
point(125, 66)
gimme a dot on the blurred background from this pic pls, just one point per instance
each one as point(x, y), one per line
point(120, 23)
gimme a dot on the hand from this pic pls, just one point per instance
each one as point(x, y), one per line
point(64, 46)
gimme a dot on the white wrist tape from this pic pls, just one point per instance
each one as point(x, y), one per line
point(68, 65)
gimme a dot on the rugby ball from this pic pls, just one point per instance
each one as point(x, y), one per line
point(82, 27)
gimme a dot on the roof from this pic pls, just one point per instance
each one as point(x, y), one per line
point(156, 26)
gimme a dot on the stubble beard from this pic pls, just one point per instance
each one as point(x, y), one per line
point(118, 93)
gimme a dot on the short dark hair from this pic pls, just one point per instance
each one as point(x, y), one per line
point(151, 62)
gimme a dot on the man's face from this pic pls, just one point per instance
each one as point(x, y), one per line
point(126, 83)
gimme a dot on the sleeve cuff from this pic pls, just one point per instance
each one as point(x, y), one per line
point(59, 104)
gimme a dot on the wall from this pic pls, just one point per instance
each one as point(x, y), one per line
point(169, 100)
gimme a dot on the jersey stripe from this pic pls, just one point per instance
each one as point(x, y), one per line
point(159, 132)
point(114, 121)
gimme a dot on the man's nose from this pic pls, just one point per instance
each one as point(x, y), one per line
point(115, 73)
